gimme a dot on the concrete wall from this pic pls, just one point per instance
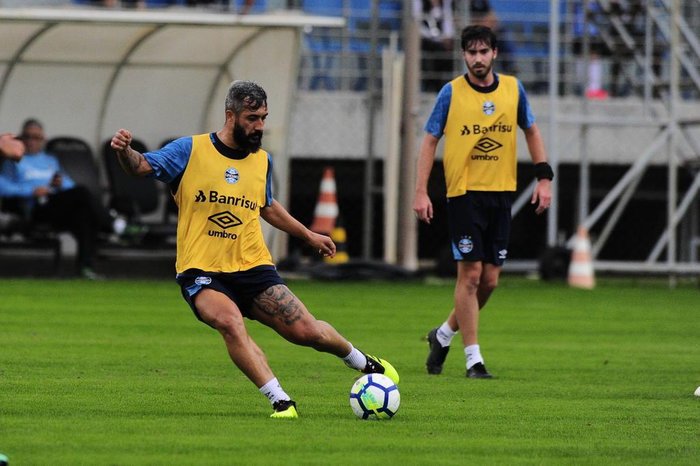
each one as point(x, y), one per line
point(334, 125)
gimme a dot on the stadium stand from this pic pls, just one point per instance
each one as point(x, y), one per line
point(335, 55)
point(20, 237)
point(527, 25)
point(323, 45)
point(137, 198)
point(77, 159)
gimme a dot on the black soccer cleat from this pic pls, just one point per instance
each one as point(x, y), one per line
point(478, 371)
point(437, 354)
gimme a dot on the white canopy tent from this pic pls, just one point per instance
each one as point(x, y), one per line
point(161, 74)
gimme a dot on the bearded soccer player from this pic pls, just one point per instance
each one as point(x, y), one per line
point(478, 114)
point(222, 184)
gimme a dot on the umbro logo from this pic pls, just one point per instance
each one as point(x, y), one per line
point(225, 220)
point(487, 145)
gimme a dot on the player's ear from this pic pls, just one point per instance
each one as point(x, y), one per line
point(230, 116)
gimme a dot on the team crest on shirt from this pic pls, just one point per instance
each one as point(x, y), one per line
point(231, 175)
point(466, 245)
point(488, 107)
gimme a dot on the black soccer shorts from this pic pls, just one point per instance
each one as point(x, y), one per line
point(240, 287)
point(479, 226)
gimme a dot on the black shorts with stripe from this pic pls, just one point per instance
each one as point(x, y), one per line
point(240, 287)
point(479, 226)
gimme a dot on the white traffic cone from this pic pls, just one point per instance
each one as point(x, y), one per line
point(581, 265)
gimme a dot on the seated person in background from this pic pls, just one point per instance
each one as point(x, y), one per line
point(11, 147)
point(39, 191)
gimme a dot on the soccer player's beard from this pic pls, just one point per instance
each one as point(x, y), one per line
point(482, 72)
point(248, 142)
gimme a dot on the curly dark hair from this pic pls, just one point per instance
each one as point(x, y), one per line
point(245, 95)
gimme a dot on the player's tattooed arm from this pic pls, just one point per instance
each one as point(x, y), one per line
point(280, 303)
point(132, 161)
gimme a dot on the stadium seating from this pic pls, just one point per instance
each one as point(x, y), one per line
point(19, 236)
point(77, 159)
point(136, 199)
point(326, 46)
point(259, 6)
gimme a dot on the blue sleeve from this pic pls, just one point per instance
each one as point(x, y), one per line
point(438, 117)
point(268, 184)
point(525, 116)
point(9, 186)
point(171, 160)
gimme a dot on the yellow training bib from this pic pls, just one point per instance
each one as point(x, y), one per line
point(480, 138)
point(219, 201)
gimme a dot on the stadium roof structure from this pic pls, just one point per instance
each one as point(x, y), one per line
point(87, 72)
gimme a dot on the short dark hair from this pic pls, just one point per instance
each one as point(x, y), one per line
point(29, 122)
point(245, 94)
point(475, 34)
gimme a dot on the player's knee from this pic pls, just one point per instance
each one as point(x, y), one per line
point(469, 282)
point(231, 328)
point(488, 284)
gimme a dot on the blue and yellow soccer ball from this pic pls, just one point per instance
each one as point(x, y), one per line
point(374, 396)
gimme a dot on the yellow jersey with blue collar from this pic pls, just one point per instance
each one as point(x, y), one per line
point(480, 126)
point(480, 138)
point(219, 200)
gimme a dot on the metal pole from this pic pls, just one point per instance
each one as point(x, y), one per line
point(369, 187)
point(674, 75)
point(584, 166)
point(408, 226)
point(392, 91)
point(552, 217)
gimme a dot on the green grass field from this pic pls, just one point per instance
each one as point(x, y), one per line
point(122, 373)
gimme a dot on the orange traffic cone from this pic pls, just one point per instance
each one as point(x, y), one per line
point(581, 265)
point(326, 211)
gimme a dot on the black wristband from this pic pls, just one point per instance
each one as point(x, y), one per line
point(543, 171)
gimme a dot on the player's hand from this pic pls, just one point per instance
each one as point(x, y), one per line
point(542, 196)
point(423, 208)
point(322, 243)
point(41, 191)
point(121, 140)
point(57, 180)
point(11, 147)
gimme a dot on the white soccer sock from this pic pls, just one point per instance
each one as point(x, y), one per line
point(445, 334)
point(356, 359)
point(473, 355)
point(273, 391)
